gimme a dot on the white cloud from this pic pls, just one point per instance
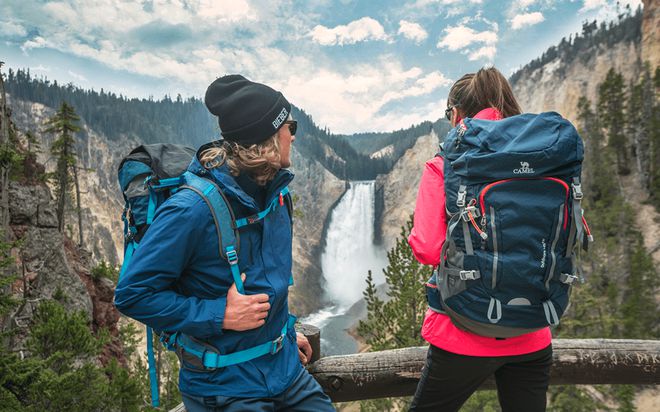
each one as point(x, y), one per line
point(231, 10)
point(525, 3)
point(412, 31)
point(36, 43)
point(458, 37)
point(486, 52)
point(359, 95)
point(526, 19)
point(592, 5)
point(12, 29)
point(356, 31)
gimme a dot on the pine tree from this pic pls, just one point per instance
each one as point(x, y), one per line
point(654, 140)
point(640, 116)
point(395, 322)
point(63, 124)
point(639, 309)
point(8, 156)
point(611, 101)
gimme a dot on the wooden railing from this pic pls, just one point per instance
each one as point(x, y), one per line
point(576, 361)
point(396, 372)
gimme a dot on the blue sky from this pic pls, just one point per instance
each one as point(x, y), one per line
point(353, 65)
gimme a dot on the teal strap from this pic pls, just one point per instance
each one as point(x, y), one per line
point(213, 360)
point(277, 201)
point(153, 379)
point(151, 210)
point(223, 216)
point(291, 280)
point(128, 254)
point(169, 182)
point(232, 258)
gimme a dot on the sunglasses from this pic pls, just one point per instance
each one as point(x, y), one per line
point(448, 111)
point(293, 126)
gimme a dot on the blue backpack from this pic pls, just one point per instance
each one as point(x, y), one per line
point(148, 176)
point(515, 224)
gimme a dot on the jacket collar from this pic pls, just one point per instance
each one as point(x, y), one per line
point(489, 113)
point(223, 178)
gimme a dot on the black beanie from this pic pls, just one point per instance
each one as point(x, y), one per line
point(248, 112)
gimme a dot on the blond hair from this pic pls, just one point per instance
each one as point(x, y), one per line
point(261, 161)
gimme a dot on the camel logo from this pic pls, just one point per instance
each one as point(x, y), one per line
point(524, 169)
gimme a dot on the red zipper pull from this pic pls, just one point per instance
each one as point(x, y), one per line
point(281, 199)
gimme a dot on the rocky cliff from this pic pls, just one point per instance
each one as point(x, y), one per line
point(558, 85)
point(51, 266)
point(651, 32)
point(396, 191)
point(100, 196)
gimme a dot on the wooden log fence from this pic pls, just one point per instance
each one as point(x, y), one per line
point(392, 373)
point(395, 372)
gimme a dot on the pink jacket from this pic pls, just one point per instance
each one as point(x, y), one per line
point(426, 239)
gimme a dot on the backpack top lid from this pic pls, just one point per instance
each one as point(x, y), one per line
point(522, 146)
point(163, 160)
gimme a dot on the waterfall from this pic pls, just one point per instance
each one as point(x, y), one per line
point(350, 251)
point(348, 255)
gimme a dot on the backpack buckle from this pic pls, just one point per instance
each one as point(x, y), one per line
point(232, 257)
point(277, 345)
point(577, 191)
point(468, 275)
point(568, 278)
point(460, 200)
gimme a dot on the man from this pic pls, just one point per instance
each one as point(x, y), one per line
point(179, 282)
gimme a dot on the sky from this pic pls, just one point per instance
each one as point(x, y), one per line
point(354, 66)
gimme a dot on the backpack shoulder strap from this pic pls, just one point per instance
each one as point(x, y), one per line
point(223, 217)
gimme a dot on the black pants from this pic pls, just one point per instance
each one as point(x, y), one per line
point(449, 379)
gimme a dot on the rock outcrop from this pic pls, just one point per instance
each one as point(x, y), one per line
point(396, 191)
point(98, 159)
point(558, 85)
point(51, 267)
point(651, 33)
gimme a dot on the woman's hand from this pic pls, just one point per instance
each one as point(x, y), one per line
point(245, 312)
point(304, 348)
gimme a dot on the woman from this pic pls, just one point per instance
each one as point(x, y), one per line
point(177, 282)
point(459, 361)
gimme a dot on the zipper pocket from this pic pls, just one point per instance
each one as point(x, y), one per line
point(482, 202)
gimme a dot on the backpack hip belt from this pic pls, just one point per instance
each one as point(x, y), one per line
point(202, 356)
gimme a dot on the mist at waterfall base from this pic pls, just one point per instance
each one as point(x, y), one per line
point(348, 256)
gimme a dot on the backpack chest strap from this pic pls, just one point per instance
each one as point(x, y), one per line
point(277, 201)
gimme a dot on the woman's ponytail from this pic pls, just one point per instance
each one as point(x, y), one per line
point(487, 88)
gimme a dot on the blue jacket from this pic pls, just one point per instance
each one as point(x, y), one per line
point(177, 281)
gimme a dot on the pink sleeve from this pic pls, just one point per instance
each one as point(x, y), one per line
point(430, 222)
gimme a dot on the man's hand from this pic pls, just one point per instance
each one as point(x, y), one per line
point(244, 312)
point(304, 348)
